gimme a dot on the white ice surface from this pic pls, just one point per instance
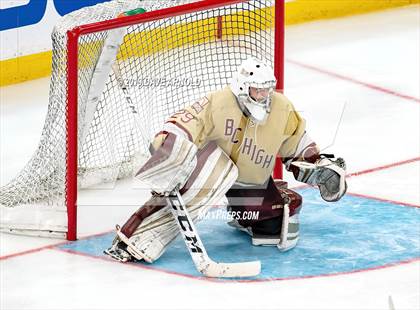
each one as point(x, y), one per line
point(76, 282)
point(397, 183)
point(376, 129)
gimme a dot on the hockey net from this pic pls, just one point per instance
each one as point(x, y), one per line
point(115, 79)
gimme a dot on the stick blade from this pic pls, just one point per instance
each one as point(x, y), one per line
point(233, 270)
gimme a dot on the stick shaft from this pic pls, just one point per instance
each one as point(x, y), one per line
point(198, 253)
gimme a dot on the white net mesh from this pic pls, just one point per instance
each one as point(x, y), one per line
point(161, 66)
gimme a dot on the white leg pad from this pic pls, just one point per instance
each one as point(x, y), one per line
point(213, 176)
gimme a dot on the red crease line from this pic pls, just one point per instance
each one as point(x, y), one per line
point(221, 280)
point(407, 204)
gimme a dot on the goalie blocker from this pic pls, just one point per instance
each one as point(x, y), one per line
point(205, 180)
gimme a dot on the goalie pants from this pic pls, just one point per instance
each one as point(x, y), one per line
point(268, 200)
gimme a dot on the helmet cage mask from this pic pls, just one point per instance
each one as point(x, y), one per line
point(257, 109)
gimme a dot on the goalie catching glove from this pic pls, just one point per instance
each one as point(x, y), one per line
point(328, 174)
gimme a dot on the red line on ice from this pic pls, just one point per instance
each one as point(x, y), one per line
point(349, 79)
point(411, 160)
point(50, 246)
point(32, 250)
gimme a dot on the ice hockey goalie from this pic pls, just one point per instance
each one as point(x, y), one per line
point(222, 150)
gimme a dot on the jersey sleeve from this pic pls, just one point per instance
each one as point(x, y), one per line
point(194, 123)
point(298, 145)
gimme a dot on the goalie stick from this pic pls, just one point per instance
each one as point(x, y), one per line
point(203, 263)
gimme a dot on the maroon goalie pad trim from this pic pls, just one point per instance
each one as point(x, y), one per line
point(202, 157)
point(161, 154)
point(153, 205)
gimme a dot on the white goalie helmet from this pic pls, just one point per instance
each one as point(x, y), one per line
point(253, 85)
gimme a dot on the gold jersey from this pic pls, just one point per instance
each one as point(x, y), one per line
point(252, 147)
